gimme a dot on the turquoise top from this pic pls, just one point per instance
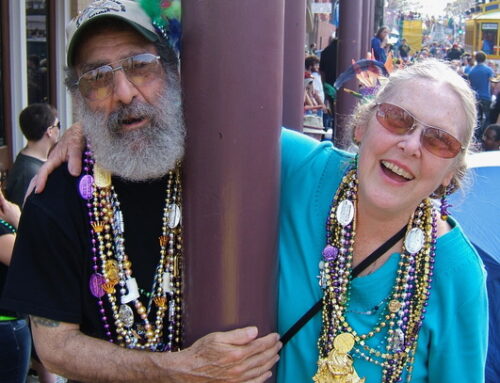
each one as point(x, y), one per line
point(453, 340)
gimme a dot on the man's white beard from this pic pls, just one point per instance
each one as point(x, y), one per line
point(145, 153)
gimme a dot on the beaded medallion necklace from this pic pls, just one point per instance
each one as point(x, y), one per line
point(402, 312)
point(112, 269)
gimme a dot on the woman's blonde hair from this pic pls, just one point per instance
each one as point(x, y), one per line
point(436, 71)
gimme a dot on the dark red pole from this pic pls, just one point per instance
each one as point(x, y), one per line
point(371, 20)
point(232, 68)
point(350, 38)
point(365, 25)
point(293, 69)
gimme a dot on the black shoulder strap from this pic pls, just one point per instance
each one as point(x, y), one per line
point(355, 272)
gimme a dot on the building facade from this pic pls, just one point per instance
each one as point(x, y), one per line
point(32, 61)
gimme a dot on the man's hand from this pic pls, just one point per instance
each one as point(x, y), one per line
point(69, 148)
point(236, 356)
point(232, 356)
point(9, 211)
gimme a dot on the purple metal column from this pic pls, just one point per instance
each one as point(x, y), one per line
point(365, 29)
point(350, 37)
point(293, 68)
point(371, 26)
point(367, 26)
point(232, 65)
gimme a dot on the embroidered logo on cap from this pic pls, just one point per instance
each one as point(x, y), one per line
point(98, 8)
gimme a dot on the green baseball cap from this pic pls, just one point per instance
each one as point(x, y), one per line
point(126, 10)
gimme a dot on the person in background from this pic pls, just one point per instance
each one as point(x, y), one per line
point(328, 71)
point(404, 50)
point(328, 61)
point(312, 66)
point(454, 53)
point(491, 137)
point(434, 50)
point(312, 101)
point(487, 44)
point(480, 77)
point(468, 62)
point(312, 49)
point(41, 127)
point(379, 43)
point(15, 336)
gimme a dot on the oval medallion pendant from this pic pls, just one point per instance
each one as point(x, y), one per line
point(85, 186)
point(397, 341)
point(95, 284)
point(344, 342)
point(414, 240)
point(126, 315)
point(174, 215)
point(345, 212)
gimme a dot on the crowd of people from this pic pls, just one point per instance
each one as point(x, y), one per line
point(371, 271)
point(475, 68)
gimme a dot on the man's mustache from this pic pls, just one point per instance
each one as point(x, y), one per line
point(134, 111)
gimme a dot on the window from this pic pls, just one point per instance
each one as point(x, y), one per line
point(489, 37)
point(37, 51)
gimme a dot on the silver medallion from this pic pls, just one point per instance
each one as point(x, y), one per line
point(414, 240)
point(345, 212)
point(118, 225)
point(167, 283)
point(126, 315)
point(398, 340)
point(133, 291)
point(174, 215)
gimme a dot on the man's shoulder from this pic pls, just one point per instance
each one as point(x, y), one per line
point(61, 189)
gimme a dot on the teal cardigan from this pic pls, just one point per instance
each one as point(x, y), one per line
point(452, 343)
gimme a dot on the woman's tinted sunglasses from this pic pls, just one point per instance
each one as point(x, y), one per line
point(399, 121)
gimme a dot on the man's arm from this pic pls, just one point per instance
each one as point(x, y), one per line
point(232, 356)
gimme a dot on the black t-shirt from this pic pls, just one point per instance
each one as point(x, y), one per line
point(52, 260)
point(24, 169)
point(3, 272)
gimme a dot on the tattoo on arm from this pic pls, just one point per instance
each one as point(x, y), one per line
point(44, 321)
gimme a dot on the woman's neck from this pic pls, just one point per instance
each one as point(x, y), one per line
point(374, 226)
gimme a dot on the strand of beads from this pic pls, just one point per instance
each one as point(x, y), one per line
point(401, 318)
point(337, 262)
point(112, 270)
point(91, 195)
point(7, 225)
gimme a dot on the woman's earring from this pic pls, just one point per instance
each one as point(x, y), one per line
point(445, 205)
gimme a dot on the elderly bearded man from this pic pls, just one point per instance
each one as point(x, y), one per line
point(98, 263)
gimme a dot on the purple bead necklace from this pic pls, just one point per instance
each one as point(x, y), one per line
point(112, 270)
point(402, 313)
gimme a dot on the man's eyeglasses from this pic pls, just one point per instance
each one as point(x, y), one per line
point(98, 83)
point(399, 121)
